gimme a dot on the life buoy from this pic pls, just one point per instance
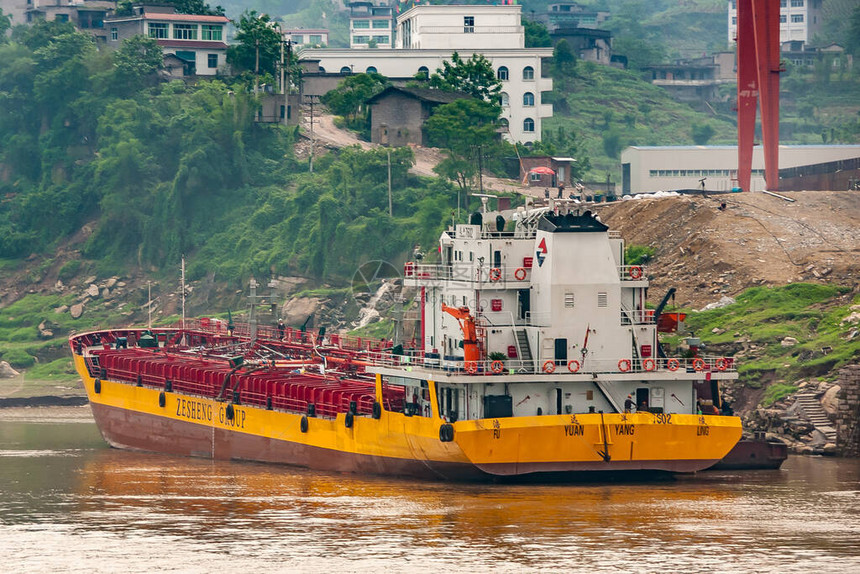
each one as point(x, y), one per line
point(624, 365)
point(471, 367)
point(520, 273)
point(635, 272)
point(573, 365)
point(698, 364)
point(497, 367)
point(649, 364)
point(673, 364)
point(495, 274)
point(549, 367)
point(722, 364)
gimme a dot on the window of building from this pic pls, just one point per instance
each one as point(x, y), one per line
point(211, 32)
point(315, 39)
point(346, 70)
point(157, 30)
point(528, 125)
point(534, 176)
point(424, 70)
point(505, 101)
point(797, 17)
point(212, 60)
point(360, 39)
point(504, 123)
point(361, 24)
point(502, 74)
point(782, 3)
point(469, 24)
point(528, 73)
point(734, 20)
point(114, 34)
point(185, 31)
point(381, 39)
point(61, 17)
point(528, 99)
point(371, 70)
point(797, 3)
point(322, 70)
point(782, 19)
point(381, 24)
point(296, 39)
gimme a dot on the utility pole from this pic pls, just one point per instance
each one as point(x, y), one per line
point(257, 66)
point(481, 168)
point(311, 102)
point(285, 75)
point(390, 208)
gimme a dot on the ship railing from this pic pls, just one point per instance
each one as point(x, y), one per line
point(632, 272)
point(487, 276)
point(289, 335)
point(637, 316)
point(548, 366)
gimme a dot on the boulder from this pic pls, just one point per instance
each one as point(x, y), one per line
point(93, 290)
point(6, 371)
point(830, 449)
point(90, 279)
point(830, 400)
point(788, 342)
point(61, 309)
point(111, 282)
point(297, 310)
point(76, 310)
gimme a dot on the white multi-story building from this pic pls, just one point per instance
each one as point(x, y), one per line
point(370, 25)
point(799, 20)
point(429, 35)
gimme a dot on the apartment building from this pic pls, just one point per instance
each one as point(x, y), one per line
point(799, 20)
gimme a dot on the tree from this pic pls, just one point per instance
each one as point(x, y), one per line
point(474, 76)
point(136, 61)
point(563, 64)
point(5, 24)
point(537, 36)
point(465, 128)
point(348, 98)
point(702, 133)
point(195, 7)
point(259, 45)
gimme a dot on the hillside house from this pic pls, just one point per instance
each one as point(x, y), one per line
point(397, 115)
point(197, 40)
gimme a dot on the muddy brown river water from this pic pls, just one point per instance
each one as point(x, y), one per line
point(68, 503)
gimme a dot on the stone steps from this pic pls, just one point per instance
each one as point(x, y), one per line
point(812, 410)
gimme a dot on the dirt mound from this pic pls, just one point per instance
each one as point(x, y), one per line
point(706, 252)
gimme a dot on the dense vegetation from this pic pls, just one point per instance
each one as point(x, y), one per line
point(763, 316)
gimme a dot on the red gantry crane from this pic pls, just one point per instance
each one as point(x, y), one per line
point(758, 82)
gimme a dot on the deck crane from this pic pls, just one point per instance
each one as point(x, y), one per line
point(470, 339)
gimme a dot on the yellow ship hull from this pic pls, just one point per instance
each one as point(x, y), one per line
point(149, 419)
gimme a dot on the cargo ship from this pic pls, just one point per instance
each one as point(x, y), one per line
point(536, 358)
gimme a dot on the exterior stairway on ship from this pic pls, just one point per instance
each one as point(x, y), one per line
point(524, 350)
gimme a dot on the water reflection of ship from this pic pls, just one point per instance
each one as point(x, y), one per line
point(195, 492)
